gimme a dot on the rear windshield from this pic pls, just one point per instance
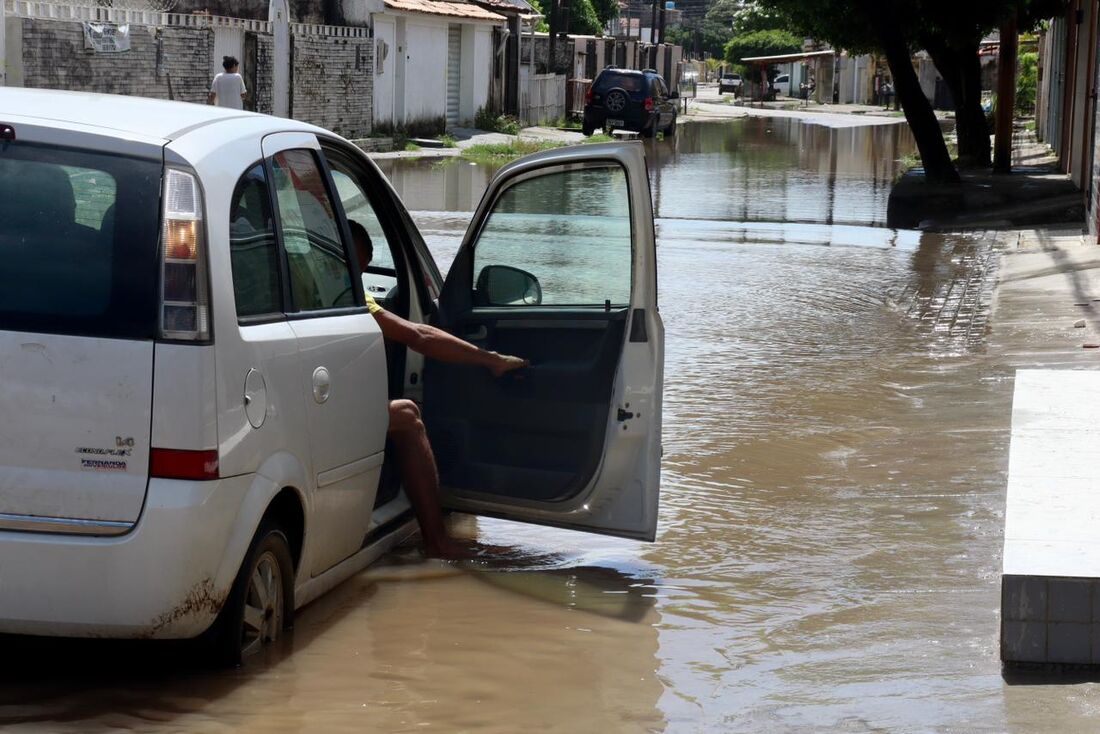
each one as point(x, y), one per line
point(629, 82)
point(78, 239)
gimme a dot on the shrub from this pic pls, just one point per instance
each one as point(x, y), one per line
point(486, 120)
point(1027, 83)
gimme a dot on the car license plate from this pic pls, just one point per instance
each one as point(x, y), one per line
point(615, 123)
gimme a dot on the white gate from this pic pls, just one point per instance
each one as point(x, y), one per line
point(228, 42)
point(454, 73)
point(541, 97)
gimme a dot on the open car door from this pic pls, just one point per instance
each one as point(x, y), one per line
point(559, 267)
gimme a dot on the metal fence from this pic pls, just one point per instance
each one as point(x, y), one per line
point(541, 97)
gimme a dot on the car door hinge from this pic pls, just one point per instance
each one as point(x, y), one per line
point(625, 415)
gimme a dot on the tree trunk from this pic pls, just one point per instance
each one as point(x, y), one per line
point(1006, 95)
point(962, 72)
point(918, 112)
point(978, 149)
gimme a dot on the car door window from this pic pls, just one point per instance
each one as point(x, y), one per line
point(380, 277)
point(252, 247)
point(557, 239)
point(317, 260)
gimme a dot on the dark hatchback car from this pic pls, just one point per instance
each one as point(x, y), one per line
point(627, 99)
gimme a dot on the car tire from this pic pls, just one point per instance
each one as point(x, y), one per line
point(587, 130)
point(670, 131)
point(616, 102)
point(260, 606)
point(650, 131)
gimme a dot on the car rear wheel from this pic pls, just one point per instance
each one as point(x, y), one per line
point(670, 131)
point(615, 102)
point(261, 603)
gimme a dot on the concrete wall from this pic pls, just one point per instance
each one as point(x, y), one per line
point(1081, 103)
point(331, 82)
point(385, 69)
point(262, 57)
point(53, 56)
point(301, 11)
point(332, 78)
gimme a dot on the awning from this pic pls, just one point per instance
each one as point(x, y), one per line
point(786, 58)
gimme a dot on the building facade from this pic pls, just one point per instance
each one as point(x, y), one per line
point(1066, 116)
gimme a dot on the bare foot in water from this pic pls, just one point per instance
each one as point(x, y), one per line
point(449, 549)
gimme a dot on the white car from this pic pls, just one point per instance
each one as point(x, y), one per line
point(782, 85)
point(195, 396)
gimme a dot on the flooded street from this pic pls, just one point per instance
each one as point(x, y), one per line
point(836, 436)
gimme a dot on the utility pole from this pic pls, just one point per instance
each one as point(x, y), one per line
point(553, 21)
point(653, 24)
point(661, 34)
point(1006, 95)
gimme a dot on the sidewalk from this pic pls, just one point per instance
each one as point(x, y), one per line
point(1049, 282)
point(709, 105)
point(1046, 325)
point(467, 137)
point(1036, 193)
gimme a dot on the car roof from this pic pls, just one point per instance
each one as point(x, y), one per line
point(124, 116)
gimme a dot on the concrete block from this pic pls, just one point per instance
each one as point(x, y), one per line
point(1070, 600)
point(1069, 642)
point(1023, 642)
point(1024, 598)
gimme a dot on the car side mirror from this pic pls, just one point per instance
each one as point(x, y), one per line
point(503, 285)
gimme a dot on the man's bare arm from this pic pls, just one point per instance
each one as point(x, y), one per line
point(439, 345)
point(210, 98)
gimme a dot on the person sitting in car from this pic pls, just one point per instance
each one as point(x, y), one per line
point(414, 453)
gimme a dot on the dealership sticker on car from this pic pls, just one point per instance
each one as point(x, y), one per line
point(615, 123)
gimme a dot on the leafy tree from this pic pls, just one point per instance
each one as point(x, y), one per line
point(751, 16)
point(583, 20)
point(542, 26)
point(761, 43)
point(1027, 83)
point(952, 33)
point(606, 10)
point(705, 37)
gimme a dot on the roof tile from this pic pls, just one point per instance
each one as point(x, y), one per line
point(442, 7)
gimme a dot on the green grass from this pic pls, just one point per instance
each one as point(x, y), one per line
point(410, 147)
point(503, 152)
point(448, 141)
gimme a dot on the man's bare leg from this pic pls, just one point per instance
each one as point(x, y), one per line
point(420, 477)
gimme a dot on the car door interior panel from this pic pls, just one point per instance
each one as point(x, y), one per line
point(535, 434)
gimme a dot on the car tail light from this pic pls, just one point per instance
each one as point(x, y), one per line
point(184, 302)
point(180, 464)
point(649, 104)
point(588, 96)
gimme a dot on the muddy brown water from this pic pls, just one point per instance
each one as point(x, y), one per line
point(836, 441)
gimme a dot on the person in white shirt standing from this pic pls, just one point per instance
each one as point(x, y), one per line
point(228, 90)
